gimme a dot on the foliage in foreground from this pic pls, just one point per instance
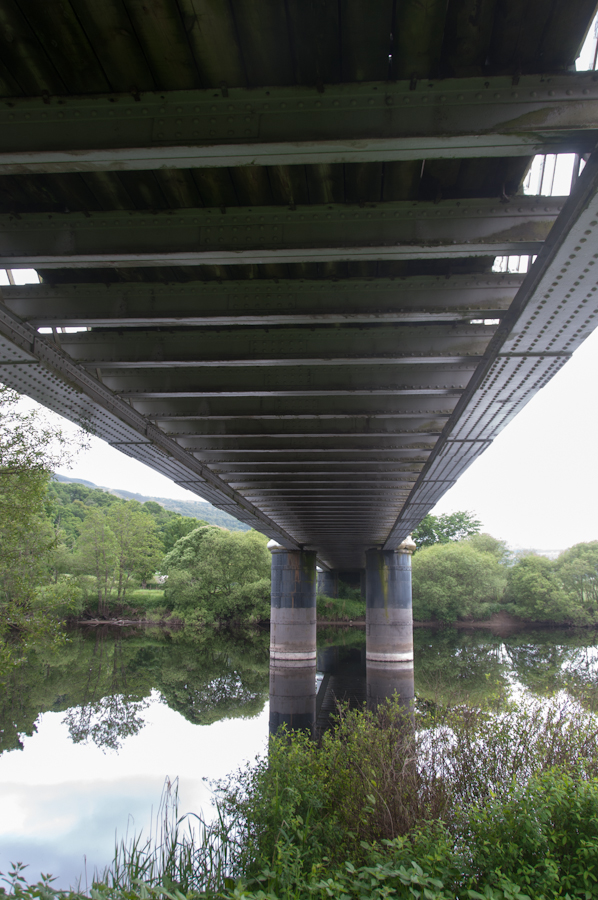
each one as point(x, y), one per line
point(438, 803)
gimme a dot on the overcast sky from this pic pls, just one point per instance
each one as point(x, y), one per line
point(536, 486)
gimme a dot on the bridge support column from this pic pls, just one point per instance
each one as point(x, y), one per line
point(328, 582)
point(389, 623)
point(292, 638)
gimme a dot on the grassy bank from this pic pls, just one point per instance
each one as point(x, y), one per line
point(437, 802)
point(338, 609)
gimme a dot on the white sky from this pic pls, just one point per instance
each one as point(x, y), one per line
point(536, 486)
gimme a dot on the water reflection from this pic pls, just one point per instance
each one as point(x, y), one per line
point(103, 679)
point(307, 697)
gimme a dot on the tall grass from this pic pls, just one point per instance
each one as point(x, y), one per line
point(183, 853)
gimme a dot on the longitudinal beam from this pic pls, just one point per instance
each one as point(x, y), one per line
point(471, 117)
point(357, 300)
point(554, 311)
point(325, 233)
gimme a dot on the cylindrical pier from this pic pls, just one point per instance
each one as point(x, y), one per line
point(389, 620)
point(292, 638)
point(293, 606)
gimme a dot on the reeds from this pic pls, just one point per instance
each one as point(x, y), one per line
point(185, 854)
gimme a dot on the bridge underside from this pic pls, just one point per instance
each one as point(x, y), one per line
point(278, 225)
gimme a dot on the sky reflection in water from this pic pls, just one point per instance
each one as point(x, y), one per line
point(200, 709)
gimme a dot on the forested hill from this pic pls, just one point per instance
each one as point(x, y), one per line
point(194, 509)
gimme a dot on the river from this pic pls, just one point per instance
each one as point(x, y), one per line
point(91, 729)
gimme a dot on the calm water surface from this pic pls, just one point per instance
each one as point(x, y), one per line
point(90, 731)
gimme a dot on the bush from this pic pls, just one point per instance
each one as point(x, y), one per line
point(388, 774)
point(535, 592)
point(456, 581)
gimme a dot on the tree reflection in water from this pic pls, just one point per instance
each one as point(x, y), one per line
point(104, 680)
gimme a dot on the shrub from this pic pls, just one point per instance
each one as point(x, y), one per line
point(456, 581)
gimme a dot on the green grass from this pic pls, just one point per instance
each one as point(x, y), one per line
point(337, 609)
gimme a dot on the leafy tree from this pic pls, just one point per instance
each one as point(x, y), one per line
point(578, 571)
point(219, 575)
point(175, 527)
point(488, 544)
point(448, 527)
point(97, 555)
point(455, 581)
point(29, 449)
point(138, 547)
point(534, 591)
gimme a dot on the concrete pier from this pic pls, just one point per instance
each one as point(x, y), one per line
point(293, 606)
point(292, 638)
point(389, 620)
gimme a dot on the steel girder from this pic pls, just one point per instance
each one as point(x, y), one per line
point(285, 302)
point(382, 121)
point(383, 379)
point(282, 345)
point(38, 368)
point(326, 233)
point(554, 311)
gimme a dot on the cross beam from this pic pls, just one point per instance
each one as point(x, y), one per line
point(356, 300)
point(322, 233)
point(343, 123)
point(292, 345)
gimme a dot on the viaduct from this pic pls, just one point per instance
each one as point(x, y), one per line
point(275, 225)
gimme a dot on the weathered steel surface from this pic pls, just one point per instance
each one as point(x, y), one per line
point(345, 123)
point(190, 237)
point(299, 323)
point(554, 311)
point(249, 303)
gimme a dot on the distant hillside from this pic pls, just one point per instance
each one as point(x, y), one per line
point(194, 509)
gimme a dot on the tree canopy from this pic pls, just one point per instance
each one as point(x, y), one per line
point(216, 575)
point(442, 529)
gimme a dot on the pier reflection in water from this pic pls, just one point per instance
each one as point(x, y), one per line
point(306, 696)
